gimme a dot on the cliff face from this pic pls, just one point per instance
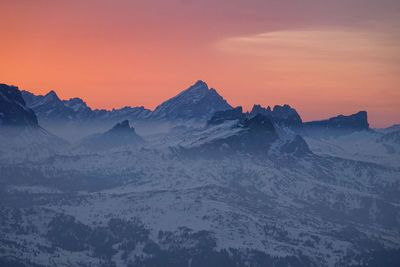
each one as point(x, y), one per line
point(357, 121)
point(13, 110)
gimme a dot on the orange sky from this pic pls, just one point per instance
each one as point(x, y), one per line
point(322, 58)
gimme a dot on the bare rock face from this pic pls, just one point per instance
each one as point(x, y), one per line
point(230, 114)
point(284, 115)
point(13, 110)
point(355, 122)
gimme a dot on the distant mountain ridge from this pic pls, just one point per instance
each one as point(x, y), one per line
point(196, 103)
point(353, 122)
point(50, 108)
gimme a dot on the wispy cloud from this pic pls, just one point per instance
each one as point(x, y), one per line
point(310, 45)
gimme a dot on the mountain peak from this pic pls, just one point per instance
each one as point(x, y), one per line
point(198, 87)
point(197, 102)
point(200, 83)
point(119, 135)
point(52, 95)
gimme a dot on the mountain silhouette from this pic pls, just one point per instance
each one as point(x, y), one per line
point(198, 102)
point(121, 135)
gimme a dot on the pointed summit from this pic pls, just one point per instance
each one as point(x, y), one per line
point(198, 102)
point(200, 83)
point(52, 96)
point(48, 107)
point(197, 89)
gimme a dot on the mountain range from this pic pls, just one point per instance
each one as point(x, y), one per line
point(50, 108)
point(196, 111)
point(198, 103)
point(196, 182)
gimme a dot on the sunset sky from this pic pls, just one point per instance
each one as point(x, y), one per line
point(321, 57)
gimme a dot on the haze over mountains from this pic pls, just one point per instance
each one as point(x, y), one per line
point(19, 125)
point(196, 182)
point(197, 104)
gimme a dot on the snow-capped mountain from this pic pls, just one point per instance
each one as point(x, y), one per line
point(254, 135)
point(238, 189)
point(51, 109)
point(73, 119)
point(198, 102)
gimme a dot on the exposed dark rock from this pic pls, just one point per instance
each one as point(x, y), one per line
point(13, 110)
point(354, 122)
point(226, 115)
point(283, 115)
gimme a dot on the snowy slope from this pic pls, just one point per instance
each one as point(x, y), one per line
point(319, 208)
point(366, 146)
point(236, 190)
point(198, 102)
